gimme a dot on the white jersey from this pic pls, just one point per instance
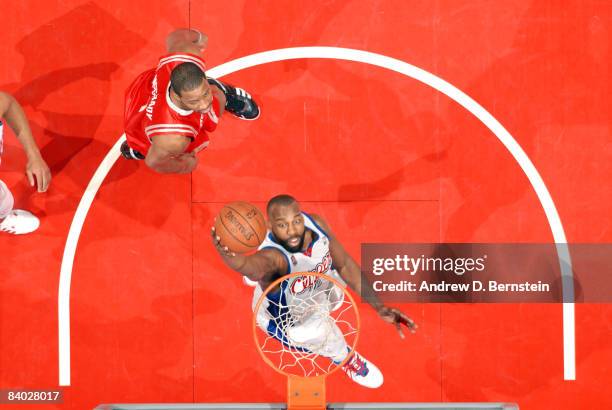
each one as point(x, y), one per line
point(315, 259)
point(297, 294)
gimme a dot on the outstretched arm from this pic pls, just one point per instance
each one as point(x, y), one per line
point(350, 271)
point(167, 155)
point(37, 169)
point(259, 267)
point(186, 40)
point(193, 41)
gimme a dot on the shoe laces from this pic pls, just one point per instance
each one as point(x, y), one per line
point(8, 224)
point(238, 100)
point(356, 366)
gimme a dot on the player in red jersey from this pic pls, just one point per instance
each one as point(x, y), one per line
point(169, 110)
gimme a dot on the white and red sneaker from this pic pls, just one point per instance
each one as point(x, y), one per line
point(363, 372)
point(19, 222)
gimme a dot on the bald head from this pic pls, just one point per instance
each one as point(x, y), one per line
point(286, 222)
point(279, 200)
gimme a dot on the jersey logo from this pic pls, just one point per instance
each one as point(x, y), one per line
point(149, 109)
point(293, 260)
point(324, 265)
point(303, 283)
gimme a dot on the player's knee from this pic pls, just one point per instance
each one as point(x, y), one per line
point(313, 330)
point(300, 335)
point(6, 200)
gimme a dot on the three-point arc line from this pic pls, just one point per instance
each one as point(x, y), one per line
point(337, 53)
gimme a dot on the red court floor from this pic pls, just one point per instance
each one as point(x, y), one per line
point(157, 317)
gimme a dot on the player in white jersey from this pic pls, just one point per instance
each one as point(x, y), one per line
point(298, 242)
point(18, 221)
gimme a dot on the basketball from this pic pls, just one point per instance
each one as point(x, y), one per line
point(241, 227)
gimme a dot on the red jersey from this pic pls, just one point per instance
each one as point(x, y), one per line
point(149, 111)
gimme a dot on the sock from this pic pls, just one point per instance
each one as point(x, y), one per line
point(6, 200)
point(341, 355)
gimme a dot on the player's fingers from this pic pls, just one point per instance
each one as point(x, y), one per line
point(412, 326)
point(48, 178)
point(406, 321)
point(40, 182)
point(38, 178)
point(30, 176)
point(45, 178)
point(402, 317)
point(399, 330)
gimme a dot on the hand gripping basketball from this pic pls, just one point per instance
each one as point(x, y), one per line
point(221, 248)
point(240, 227)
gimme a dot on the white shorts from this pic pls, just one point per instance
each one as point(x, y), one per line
point(295, 324)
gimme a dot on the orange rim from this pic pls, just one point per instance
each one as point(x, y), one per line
point(289, 276)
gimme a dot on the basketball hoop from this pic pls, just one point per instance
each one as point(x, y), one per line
point(310, 321)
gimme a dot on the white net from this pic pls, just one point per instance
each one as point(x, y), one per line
point(307, 325)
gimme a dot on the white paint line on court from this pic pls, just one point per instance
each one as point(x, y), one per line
point(337, 53)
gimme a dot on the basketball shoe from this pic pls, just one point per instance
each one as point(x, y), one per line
point(19, 222)
point(363, 372)
point(238, 102)
point(129, 153)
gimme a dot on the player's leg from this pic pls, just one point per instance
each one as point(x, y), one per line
point(15, 221)
point(363, 372)
point(316, 333)
point(6, 201)
point(319, 334)
point(237, 101)
point(335, 297)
